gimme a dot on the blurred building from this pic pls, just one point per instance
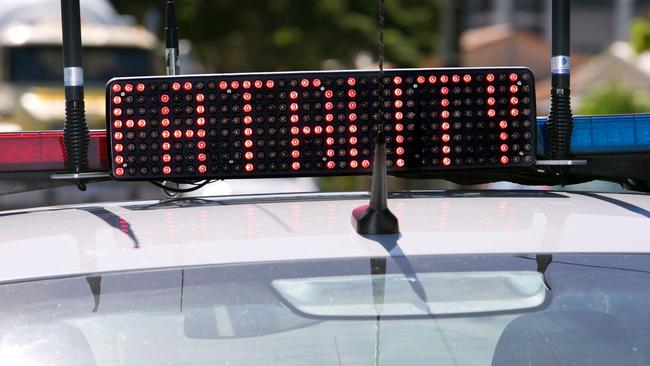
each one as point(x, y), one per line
point(619, 64)
point(518, 32)
point(502, 44)
point(594, 23)
point(31, 60)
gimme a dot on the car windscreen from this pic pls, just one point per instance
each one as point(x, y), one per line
point(43, 63)
point(421, 310)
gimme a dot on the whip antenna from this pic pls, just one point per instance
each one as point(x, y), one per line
point(375, 218)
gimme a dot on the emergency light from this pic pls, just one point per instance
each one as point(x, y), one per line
point(467, 125)
point(319, 123)
point(35, 151)
point(610, 134)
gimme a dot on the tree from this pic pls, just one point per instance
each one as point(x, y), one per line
point(277, 35)
point(640, 34)
point(614, 99)
point(270, 35)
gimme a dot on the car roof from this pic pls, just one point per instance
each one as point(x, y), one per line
point(99, 238)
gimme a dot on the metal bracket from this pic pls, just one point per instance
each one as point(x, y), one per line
point(561, 162)
point(80, 176)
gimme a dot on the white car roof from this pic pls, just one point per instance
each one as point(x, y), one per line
point(62, 241)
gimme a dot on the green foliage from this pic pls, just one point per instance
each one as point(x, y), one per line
point(640, 34)
point(275, 35)
point(253, 35)
point(340, 184)
point(615, 99)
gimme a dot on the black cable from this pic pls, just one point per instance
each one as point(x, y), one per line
point(181, 190)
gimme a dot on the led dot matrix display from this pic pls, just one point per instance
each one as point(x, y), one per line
point(319, 123)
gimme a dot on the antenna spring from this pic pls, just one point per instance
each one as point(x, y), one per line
point(75, 132)
point(560, 124)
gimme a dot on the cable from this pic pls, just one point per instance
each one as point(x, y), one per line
point(181, 190)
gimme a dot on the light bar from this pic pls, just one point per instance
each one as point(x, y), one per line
point(44, 151)
point(606, 134)
point(319, 123)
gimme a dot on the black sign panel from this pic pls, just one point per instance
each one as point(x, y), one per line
point(319, 123)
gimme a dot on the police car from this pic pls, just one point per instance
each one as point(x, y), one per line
point(472, 277)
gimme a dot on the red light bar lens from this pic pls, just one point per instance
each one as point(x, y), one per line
point(44, 151)
point(319, 123)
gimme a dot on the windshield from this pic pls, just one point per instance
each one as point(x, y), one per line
point(43, 64)
point(590, 310)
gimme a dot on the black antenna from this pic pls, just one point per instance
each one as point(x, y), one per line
point(450, 19)
point(375, 218)
point(75, 130)
point(171, 39)
point(172, 62)
point(560, 119)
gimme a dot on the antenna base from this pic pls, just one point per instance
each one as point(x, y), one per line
point(368, 221)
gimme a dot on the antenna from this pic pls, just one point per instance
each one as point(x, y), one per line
point(560, 119)
point(75, 129)
point(171, 39)
point(172, 62)
point(375, 218)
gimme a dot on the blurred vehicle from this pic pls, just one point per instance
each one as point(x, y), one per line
point(31, 60)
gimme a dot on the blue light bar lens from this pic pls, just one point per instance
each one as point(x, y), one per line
point(605, 134)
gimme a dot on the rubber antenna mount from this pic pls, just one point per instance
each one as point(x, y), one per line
point(375, 218)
